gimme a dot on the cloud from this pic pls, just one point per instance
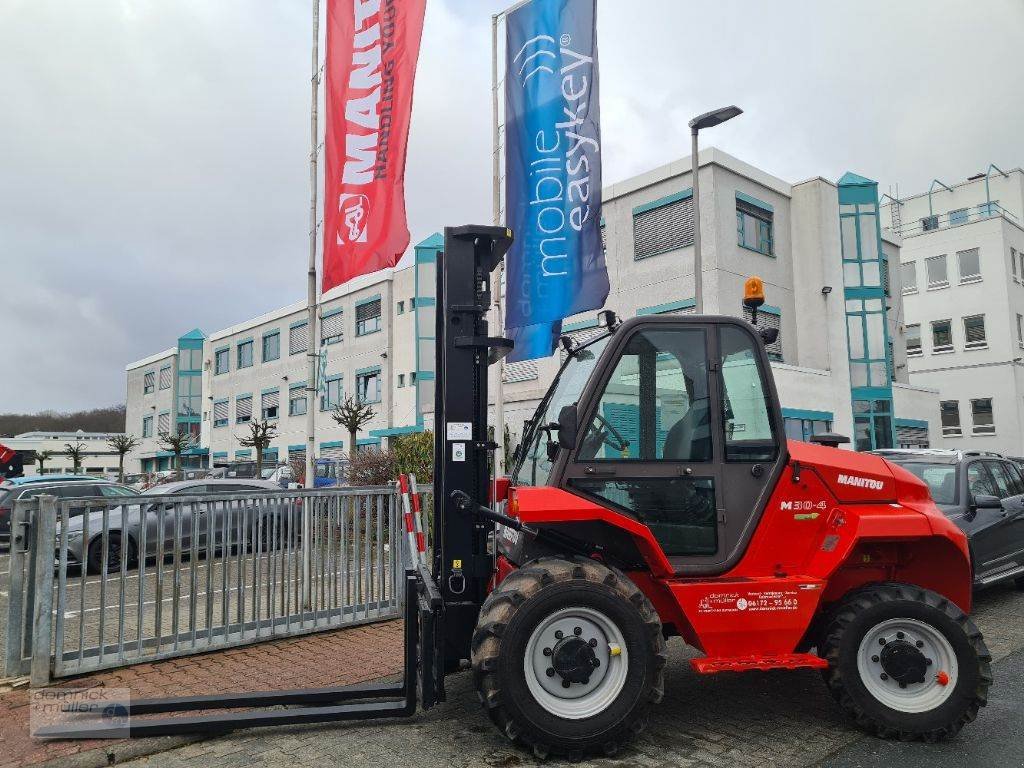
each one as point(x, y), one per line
point(155, 154)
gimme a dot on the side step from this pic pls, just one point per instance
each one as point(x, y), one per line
point(992, 578)
point(709, 665)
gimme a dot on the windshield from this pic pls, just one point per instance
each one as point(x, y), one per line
point(940, 478)
point(534, 467)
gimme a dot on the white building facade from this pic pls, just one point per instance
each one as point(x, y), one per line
point(962, 278)
point(97, 457)
point(377, 338)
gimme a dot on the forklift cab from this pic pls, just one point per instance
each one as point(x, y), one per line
point(672, 421)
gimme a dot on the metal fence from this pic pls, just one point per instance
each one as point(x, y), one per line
point(101, 583)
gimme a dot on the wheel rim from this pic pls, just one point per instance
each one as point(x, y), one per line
point(902, 651)
point(556, 642)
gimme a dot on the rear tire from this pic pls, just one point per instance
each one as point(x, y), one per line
point(94, 555)
point(529, 622)
point(888, 632)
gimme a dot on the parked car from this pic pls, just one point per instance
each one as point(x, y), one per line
point(330, 472)
point(983, 493)
point(61, 486)
point(124, 523)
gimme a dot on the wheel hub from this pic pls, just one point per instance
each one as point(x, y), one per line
point(904, 662)
point(574, 660)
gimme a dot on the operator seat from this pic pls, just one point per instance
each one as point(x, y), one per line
point(690, 437)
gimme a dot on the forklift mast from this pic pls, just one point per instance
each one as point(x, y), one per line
point(463, 449)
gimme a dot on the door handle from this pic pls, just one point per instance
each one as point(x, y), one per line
point(594, 472)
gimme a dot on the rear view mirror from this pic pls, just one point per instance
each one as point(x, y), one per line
point(768, 335)
point(984, 501)
point(567, 427)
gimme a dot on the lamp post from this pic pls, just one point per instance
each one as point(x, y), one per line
point(707, 120)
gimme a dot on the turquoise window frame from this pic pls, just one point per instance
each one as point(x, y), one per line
point(149, 389)
point(360, 324)
point(263, 410)
point(160, 378)
point(959, 216)
point(147, 426)
point(300, 390)
point(330, 339)
point(252, 353)
point(263, 347)
point(247, 396)
point(365, 373)
point(765, 244)
point(217, 423)
point(326, 401)
point(217, 356)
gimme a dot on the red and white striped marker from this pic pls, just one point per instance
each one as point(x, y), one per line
point(417, 514)
point(410, 526)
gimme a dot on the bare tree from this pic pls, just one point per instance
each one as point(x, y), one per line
point(41, 457)
point(122, 445)
point(177, 443)
point(353, 415)
point(76, 453)
point(260, 435)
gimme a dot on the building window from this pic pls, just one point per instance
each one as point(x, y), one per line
point(401, 380)
point(974, 332)
point(913, 340)
point(935, 269)
point(190, 395)
point(332, 327)
point(942, 336)
point(970, 266)
point(147, 426)
point(959, 216)
point(368, 317)
point(662, 226)
point(754, 228)
point(981, 416)
point(401, 308)
point(298, 338)
point(1020, 331)
point(297, 401)
point(886, 278)
point(803, 429)
point(165, 377)
point(271, 404)
point(1013, 264)
point(222, 361)
point(865, 326)
point(163, 424)
point(368, 387)
point(949, 415)
point(412, 301)
point(412, 378)
point(523, 370)
point(272, 346)
point(148, 382)
point(331, 398)
point(243, 409)
point(908, 276)
point(928, 223)
point(872, 424)
point(220, 413)
point(245, 354)
point(768, 320)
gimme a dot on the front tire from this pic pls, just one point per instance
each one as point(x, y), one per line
point(906, 663)
point(568, 656)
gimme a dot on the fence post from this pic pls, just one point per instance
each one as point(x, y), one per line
point(13, 655)
point(44, 531)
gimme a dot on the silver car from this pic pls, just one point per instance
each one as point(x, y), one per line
point(229, 520)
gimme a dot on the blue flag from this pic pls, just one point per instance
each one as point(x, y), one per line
point(556, 266)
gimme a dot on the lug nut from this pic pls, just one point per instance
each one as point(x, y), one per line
point(903, 685)
point(885, 676)
point(928, 662)
point(593, 643)
point(919, 643)
point(551, 672)
point(565, 683)
point(547, 651)
point(578, 631)
point(597, 662)
point(900, 635)
point(881, 641)
point(558, 634)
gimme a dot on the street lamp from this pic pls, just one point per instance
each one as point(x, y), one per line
point(707, 120)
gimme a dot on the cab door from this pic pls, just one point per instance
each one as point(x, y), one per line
point(671, 431)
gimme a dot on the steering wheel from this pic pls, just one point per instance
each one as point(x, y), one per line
point(607, 427)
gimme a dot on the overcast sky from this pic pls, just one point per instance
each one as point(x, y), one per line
point(153, 153)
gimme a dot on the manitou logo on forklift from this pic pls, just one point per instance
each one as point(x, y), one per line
point(653, 497)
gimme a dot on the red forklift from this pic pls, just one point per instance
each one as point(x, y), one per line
point(654, 496)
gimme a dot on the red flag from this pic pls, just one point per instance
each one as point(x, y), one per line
point(372, 47)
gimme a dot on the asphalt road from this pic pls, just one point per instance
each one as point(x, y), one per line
point(996, 739)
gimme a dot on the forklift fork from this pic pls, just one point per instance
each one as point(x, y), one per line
point(423, 619)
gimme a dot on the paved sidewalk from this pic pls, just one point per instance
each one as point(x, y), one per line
point(341, 657)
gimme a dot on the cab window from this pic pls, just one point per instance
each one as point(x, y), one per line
point(656, 404)
point(979, 481)
point(746, 415)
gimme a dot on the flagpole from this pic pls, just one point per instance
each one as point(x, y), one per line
point(311, 296)
point(499, 393)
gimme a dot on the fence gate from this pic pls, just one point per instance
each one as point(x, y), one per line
point(102, 583)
